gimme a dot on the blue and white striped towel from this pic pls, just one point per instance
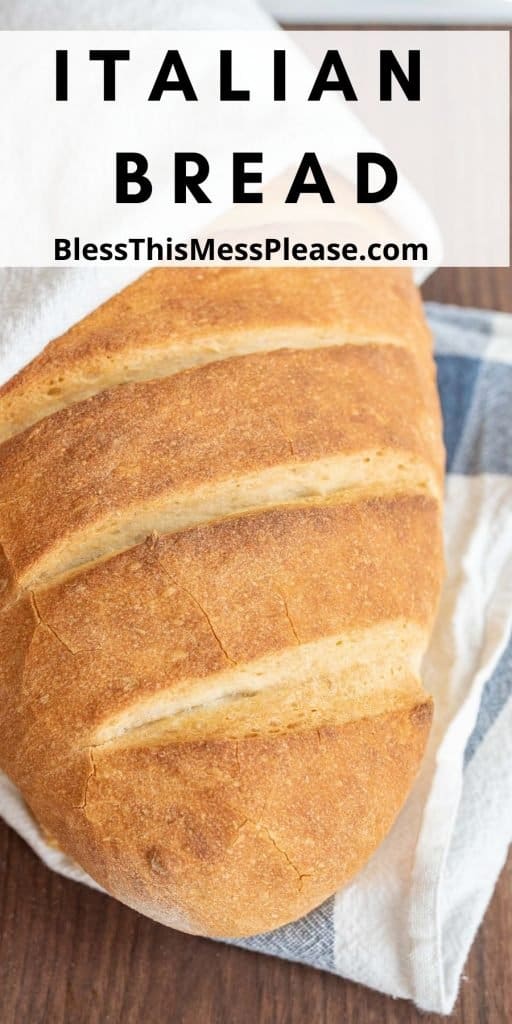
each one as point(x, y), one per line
point(405, 924)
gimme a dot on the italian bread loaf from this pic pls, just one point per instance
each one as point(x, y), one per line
point(220, 558)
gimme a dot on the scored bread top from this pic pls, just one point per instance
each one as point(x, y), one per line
point(214, 441)
point(206, 570)
point(178, 610)
point(170, 320)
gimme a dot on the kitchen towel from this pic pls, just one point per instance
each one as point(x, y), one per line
point(405, 924)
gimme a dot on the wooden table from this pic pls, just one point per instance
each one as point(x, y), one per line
point(72, 956)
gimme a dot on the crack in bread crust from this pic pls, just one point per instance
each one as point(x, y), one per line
point(337, 676)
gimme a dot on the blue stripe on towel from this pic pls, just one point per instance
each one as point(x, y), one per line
point(497, 691)
point(310, 940)
point(456, 379)
point(476, 398)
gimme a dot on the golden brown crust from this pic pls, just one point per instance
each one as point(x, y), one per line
point(193, 316)
point(220, 724)
point(130, 450)
point(155, 617)
point(189, 605)
point(222, 854)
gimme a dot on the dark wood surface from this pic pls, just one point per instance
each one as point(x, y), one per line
point(72, 956)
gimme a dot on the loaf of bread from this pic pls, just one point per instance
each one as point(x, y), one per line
point(220, 558)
